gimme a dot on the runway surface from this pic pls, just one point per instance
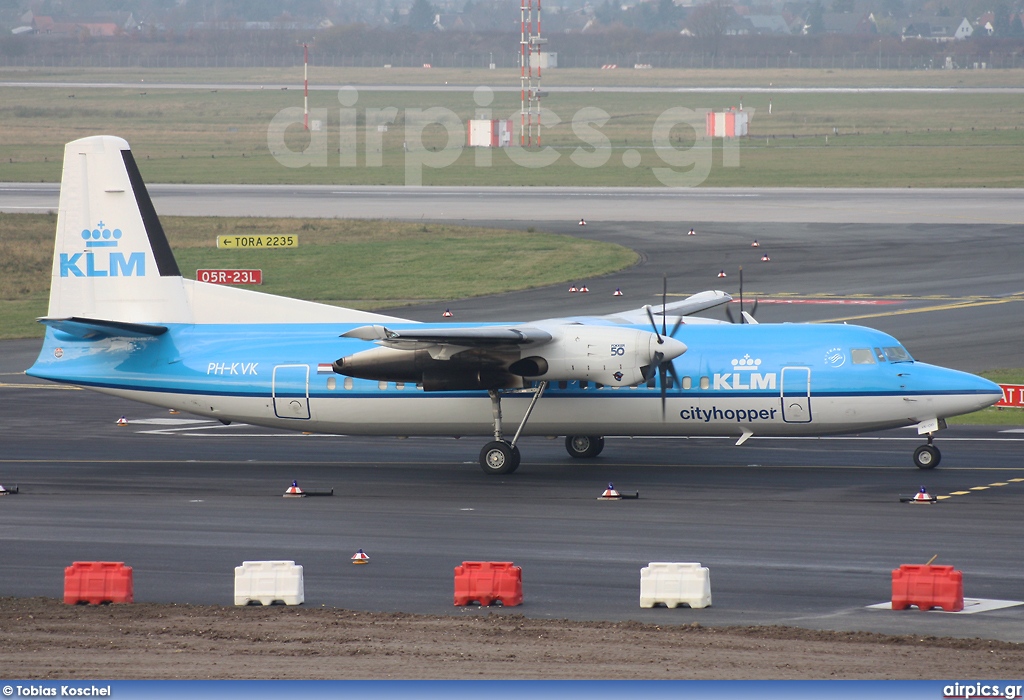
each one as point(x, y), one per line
point(638, 205)
point(796, 532)
point(632, 89)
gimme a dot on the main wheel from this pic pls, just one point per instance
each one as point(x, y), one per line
point(499, 457)
point(584, 446)
point(927, 457)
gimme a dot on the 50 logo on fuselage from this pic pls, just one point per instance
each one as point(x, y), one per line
point(114, 264)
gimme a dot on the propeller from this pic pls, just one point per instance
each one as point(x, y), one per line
point(666, 371)
point(744, 316)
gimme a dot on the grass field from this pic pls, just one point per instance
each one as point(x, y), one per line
point(360, 264)
point(822, 140)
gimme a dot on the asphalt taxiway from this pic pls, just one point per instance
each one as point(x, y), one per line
point(798, 532)
point(795, 532)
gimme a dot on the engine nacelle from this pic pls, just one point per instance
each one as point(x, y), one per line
point(605, 354)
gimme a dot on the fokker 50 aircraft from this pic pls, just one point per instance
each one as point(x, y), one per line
point(122, 320)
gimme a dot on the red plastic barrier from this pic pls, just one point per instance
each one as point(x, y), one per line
point(927, 587)
point(487, 582)
point(98, 582)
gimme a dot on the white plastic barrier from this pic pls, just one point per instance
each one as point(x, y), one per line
point(269, 582)
point(673, 584)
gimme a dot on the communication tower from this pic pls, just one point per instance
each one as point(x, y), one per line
point(529, 58)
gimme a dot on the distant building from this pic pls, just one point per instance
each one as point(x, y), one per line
point(938, 29)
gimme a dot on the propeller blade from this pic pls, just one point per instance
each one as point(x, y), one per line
point(679, 322)
point(728, 312)
point(664, 389)
point(754, 309)
point(654, 324)
point(664, 302)
point(649, 370)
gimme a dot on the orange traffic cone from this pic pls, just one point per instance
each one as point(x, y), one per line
point(360, 557)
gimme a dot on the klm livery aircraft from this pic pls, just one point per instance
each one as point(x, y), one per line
point(122, 320)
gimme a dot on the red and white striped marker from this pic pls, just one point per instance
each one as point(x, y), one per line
point(360, 557)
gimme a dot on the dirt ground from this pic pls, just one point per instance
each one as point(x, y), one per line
point(42, 638)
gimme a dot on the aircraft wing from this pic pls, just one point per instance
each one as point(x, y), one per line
point(483, 337)
point(638, 317)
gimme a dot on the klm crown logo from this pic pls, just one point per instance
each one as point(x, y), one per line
point(746, 363)
point(116, 264)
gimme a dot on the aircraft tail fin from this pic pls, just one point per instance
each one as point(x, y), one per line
point(111, 260)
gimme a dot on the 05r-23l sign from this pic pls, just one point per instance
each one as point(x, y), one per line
point(257, 242)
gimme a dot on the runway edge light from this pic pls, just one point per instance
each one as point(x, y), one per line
point(617, 292)
point(294, 491)
point(360, 557)
point(122, 421)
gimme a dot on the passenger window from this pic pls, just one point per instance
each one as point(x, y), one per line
point(382, 386)
point(862, 356)
point(348, 383)
point(879, 354)
point(705, 382)
point(332, 383)
point(898, 354)
point(598, 385)
point(563, 384)
point(687, 382)
point(583, 384)
point(399, 385)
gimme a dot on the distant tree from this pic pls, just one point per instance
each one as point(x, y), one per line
point(816, 18)
point(708, 23)
point(710, 19)
point(669, 15)
point(421, 15)
point(608, 13)
point(1016, 26)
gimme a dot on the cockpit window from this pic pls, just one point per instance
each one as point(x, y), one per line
point(879, 354)
point(862, 356)
point(898, 354)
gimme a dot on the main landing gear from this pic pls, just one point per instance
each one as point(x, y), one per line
point(584, 446)
point(500, 456)
point(927, 456)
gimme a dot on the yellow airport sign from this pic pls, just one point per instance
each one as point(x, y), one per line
point(257, 242)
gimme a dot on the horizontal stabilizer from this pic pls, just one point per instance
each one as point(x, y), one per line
point(97, 328)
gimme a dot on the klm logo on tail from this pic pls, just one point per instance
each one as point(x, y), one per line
point(114, 264)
